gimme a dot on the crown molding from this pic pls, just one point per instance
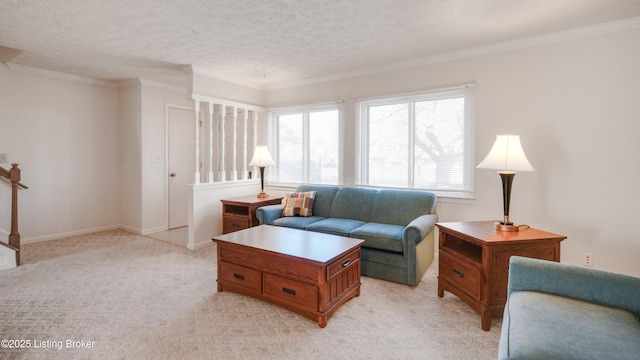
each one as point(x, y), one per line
point(61, 75)
point(199, 70)
point(92, 81)
point(531, 41)
point(152, 83)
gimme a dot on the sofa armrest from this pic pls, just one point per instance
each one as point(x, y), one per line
point(267, 214)
point(420, 228)
point(591, 285)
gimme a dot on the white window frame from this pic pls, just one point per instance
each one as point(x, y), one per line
point(272, 115)
point(468, 91)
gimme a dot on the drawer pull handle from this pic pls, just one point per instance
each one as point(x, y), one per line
point(458, 273)
point(288, 291)
point(235, 225)
point(346, 263)
point(238, 276)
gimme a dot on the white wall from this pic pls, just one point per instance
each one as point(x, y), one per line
point(63, 131)
point(130, 157)
point(575, 105)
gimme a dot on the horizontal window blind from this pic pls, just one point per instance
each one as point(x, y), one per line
point(422, 141)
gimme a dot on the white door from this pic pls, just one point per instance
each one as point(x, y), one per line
point(180, 165)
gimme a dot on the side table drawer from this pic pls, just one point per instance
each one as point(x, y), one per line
point(240, 275)
point(463, 276)
point(231, 224)
point(291, 290)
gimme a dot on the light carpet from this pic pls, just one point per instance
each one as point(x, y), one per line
point(133, 297)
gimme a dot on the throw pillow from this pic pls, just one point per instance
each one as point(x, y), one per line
point(299, 204)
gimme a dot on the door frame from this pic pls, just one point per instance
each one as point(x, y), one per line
point(167, 106)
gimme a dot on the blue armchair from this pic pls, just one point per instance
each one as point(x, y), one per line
point(560, 311)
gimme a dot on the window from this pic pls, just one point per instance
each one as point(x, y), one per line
point(420, 141)
point(307, 146)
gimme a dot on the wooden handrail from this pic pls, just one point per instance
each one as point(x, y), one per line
point(5, 175)
point(13, 175)
point(9, 246)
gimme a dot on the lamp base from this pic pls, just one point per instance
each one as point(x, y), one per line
point(263, 195)
point(500, 226)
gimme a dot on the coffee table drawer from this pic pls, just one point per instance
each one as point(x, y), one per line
point(275, 262)
point(240, 275)
point(343, 264)
point(291, 290)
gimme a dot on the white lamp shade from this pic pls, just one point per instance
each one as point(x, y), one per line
point(262, 157)
point(506, 155)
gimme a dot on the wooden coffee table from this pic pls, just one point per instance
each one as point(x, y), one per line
point(306, 272)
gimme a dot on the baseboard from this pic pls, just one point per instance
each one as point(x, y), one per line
point(131, 229)
point(200, 245)
point(153, 230)
point(57, 236)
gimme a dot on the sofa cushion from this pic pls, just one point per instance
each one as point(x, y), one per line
point(342, 227)
point(380, 236)
point(353, 203)
point(299, 204)
point(400, 207)
point(296, 221)
point(546, 326)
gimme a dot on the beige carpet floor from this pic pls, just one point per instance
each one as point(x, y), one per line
point(134, 297)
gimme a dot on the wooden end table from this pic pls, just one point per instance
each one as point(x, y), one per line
point(240, 212)
point(474, 262)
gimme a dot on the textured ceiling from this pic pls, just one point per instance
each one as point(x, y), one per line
point(270, 42)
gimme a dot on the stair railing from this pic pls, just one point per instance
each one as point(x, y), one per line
point(13, 176)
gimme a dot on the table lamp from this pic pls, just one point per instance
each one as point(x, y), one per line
point(262, 158)
point(508, 158)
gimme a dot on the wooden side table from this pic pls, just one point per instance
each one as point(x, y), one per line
point(240, 213)
point(474, 262)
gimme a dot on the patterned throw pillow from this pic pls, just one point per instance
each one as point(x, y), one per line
point(299, 204)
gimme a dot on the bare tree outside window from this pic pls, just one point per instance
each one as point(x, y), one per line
point(417, 142)
point(439, 142)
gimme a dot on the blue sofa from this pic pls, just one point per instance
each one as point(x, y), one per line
point(397, 226)
point(560, 311)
